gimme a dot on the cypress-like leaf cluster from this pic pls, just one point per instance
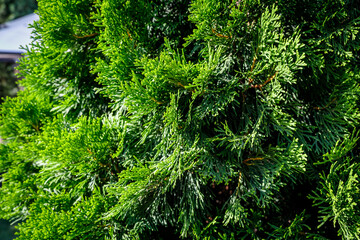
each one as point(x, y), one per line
point(204, 119)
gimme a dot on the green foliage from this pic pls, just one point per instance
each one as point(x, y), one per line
point(338, 193)
point(80, 221)
point(185, 119)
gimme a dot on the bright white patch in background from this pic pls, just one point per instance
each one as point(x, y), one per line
point(16, 33)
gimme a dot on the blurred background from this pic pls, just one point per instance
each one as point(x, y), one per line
point(10, 38)
point(14, 19)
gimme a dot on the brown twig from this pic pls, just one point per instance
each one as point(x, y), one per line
point(115, 165)
point(36, 127)
point(253, 65)
point(266, 82)
point(128, 33)
point(219, 35)
point(156, 101)
point(85, 36)
point(243, 97)
point(91, 153)
point(322, 108)
point(251, 159)
point(180, 84)
point(183, 86)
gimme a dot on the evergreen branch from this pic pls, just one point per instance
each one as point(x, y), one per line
point(90, 152)
point(180, 84)
point(251, 159)
point(128, 33)
point(327, 105)
point(158, 102)
point(115, 165)
point(243, 96)
point(104, 165)
point(85, 36)
point(219, 34)
point(266, 82)
point(36, 127)
point(253, 64)
point(183, 86)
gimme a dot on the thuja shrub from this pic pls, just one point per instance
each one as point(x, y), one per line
point(203, 119)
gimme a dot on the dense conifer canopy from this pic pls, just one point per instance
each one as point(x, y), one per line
point(177, 119)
